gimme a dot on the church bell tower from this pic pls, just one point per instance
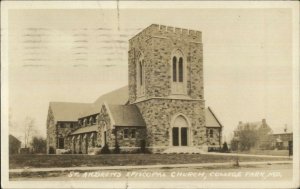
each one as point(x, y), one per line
point(166, 83)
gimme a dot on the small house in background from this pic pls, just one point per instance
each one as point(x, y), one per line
point(14, 145)
point(264, 132)
point(282, 140)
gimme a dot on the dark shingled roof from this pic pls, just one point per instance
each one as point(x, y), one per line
point(123, 115)
point(14, 139)
point(126, 115)
point(87, 129)
point(68, 111)
point(118, 96)
point(210, 119)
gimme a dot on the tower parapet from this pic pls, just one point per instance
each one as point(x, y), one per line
point(156, 30)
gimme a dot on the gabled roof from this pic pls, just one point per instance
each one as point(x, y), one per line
point(211, 119)
point(13, 138)
point(68, 111)
point(118, 96)
point(126, 115)
point(87, 129)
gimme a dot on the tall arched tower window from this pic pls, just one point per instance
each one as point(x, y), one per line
point(180, 70)
point(178, 73)
point(141, 72)
point(174, 69)
point(140, 75)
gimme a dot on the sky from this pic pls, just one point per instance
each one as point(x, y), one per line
point(76, 55)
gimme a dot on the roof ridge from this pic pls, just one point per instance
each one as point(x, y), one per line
point(107, 93)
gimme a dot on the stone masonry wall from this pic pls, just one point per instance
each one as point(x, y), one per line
point(157, 44)
point(64, 132)
point(80, 146)
point(140, 134)
point(158, 114)
point(214, 141)
point(130, 142)
point(54, 131)
point(105, 119)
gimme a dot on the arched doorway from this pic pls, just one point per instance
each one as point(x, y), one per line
point(73, 145)
point(180, 131)
point(104, 133)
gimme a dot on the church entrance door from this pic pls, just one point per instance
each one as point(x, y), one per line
point(180, 133)
point(184, 136)
point(175, 132)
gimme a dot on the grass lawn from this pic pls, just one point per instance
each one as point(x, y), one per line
point(73, 160)
point(268, 152)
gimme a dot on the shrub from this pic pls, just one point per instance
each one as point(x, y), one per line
point(39, 145)
point(51, 150)
point(117, 149)
point(105, 149)
point(143, 146)
point(234, 145)
point(225, 147)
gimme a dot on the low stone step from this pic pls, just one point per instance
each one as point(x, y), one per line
point(183, 150)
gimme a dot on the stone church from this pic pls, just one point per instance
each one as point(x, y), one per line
point(162, 108)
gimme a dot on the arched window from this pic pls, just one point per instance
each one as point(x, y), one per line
point(180, 70)
point(211, 133)
point(140, 75)
point(93, 136)
point(103, 132)
point(178, 73)
point(91, 121)
point(174, 69)
point(97, 119)
point(141, 72)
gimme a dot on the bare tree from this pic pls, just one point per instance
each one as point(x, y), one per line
point(29, 129)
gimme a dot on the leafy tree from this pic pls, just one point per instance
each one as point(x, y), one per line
point(38, 145)
point(248, 135)
point(234, 145)
point(247, 138)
